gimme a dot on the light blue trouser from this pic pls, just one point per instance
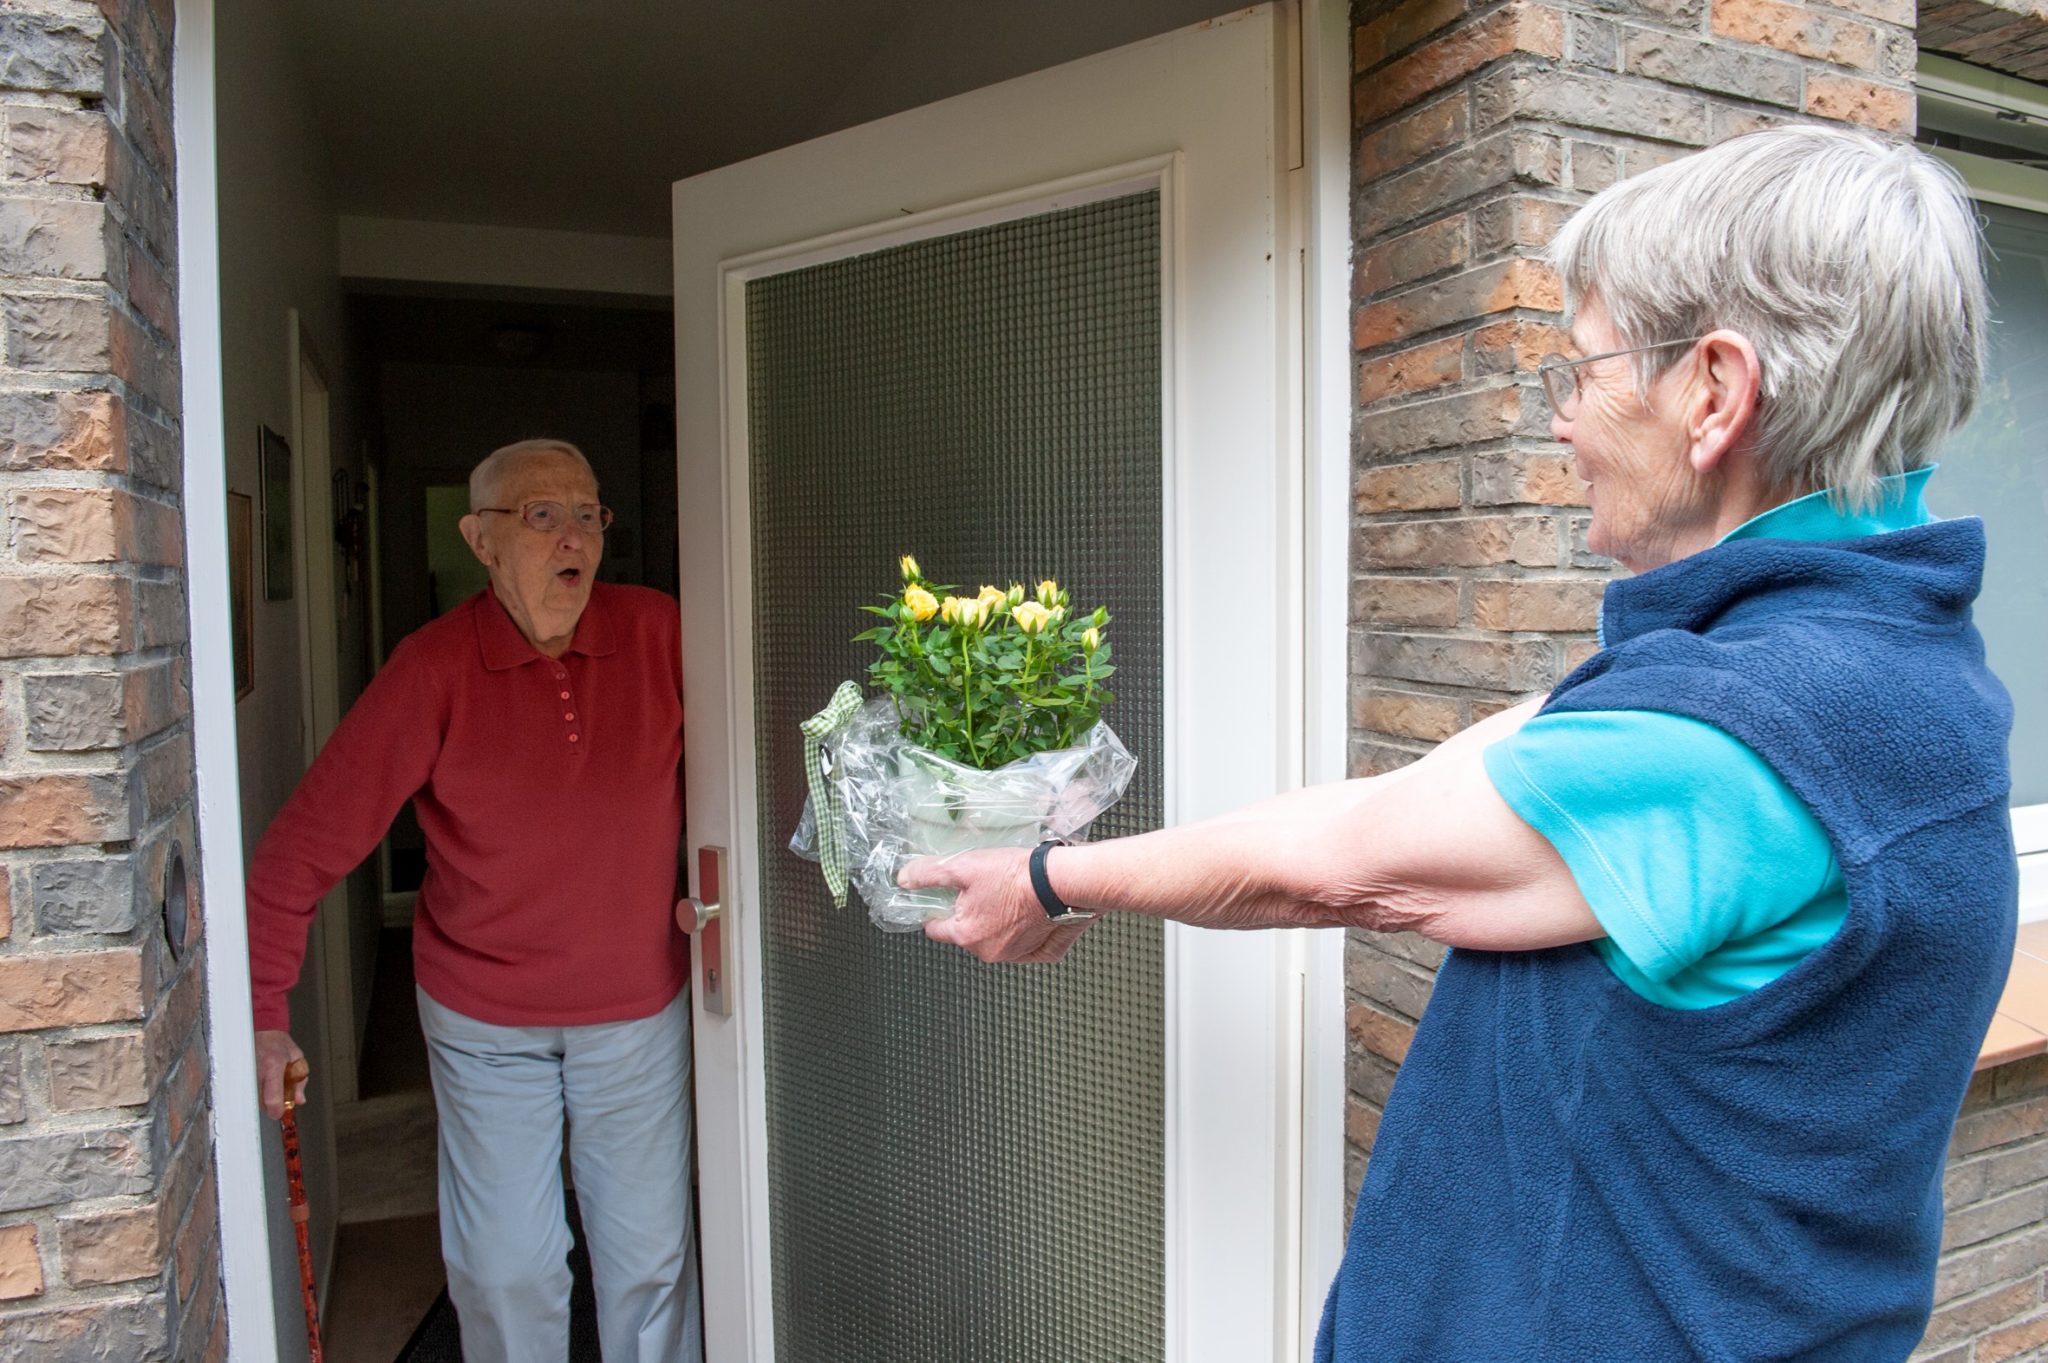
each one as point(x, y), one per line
point(502, 1094)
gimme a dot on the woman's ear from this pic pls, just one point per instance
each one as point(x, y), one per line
point(1723, 404)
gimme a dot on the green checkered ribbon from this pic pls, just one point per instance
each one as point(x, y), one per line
point(826, 805)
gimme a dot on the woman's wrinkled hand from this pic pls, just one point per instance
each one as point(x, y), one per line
point(997, 915)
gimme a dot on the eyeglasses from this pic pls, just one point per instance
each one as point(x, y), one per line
point(550, 517)
point(1561, 376)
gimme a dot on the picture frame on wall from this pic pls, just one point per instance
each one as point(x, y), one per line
point(242, 589)
point(275, 467)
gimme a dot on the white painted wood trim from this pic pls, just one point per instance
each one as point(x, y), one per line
point(312, 440)
point(2030, 839)
point(754, 1278)
point(1326, 597)
point(1998, 182)
point(237, 1130)
point(743, 924)
point(1234, 1000)
point(2030, 828)
point(1946, 77)
point(488, 255)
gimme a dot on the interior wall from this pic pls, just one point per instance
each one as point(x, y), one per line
point(439, 420)
point(278, 253)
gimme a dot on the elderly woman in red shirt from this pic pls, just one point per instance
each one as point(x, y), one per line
point(537, 729)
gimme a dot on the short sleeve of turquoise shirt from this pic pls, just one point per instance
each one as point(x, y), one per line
point(1708, 874)
point(1710, 877)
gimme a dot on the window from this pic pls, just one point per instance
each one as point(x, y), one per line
point(1994, 130)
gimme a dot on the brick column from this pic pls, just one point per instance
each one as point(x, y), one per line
point(1479, 127)
point(108, 1229)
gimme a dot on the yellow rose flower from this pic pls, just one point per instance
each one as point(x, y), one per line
point(921, 604)
point(1015, 595)
point(1030, 616)
point(965, 611)
point(1048, 592)
point(909, 567)
point(991, 595)
point(1091, 639)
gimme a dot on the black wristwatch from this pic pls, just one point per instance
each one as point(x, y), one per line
point(1057, 910)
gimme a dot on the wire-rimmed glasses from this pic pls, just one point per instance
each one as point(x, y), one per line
point(1561, 376)
point(550, 517)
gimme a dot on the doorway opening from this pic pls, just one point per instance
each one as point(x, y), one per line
point(425, 255)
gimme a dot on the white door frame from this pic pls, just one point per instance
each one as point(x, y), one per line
point(1254, 1188)
point(1325, 128)
point(231, 1036)
point(320, 675)
point(1325, 614)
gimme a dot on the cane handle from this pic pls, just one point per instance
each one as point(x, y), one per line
point(294, 1075)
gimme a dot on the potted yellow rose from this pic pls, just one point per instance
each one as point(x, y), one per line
point(986, 731)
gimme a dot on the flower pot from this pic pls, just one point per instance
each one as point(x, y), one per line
point(948, 809)
point(900, 801)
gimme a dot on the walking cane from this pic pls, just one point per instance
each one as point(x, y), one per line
point(295, 1180)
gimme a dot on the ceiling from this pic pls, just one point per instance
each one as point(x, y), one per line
point(577, 114)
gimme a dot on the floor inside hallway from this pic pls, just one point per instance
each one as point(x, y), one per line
point(387, 1262)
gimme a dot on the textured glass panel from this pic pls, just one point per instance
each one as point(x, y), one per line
point(1997, 467)
point(966, 1161)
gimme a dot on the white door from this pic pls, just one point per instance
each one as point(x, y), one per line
point(1039, 328)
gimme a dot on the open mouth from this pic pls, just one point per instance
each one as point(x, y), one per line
point(570, 576)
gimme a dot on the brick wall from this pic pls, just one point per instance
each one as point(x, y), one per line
point(1479, 127)
point(1989, 1303)
point(108, 1240)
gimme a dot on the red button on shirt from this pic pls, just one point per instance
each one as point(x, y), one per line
point(550, 885)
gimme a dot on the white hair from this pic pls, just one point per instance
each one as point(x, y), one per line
point(488, 477)
point(1852, 263)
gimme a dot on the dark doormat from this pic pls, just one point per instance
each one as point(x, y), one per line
point(438, 1338)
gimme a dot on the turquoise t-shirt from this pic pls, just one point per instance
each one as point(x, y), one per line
point(1710, 877)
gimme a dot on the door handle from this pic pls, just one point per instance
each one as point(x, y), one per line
point(702, 916)
point(693, 915)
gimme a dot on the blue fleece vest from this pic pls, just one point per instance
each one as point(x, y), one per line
point(1570, 1173)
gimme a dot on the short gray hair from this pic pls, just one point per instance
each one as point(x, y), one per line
point(486, 478)
point(1852, 263)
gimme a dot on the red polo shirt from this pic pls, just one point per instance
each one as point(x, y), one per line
point(550, 792)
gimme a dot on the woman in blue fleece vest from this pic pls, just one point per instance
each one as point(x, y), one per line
point(1729, 909)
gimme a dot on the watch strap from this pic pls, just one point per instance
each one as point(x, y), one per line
point(1056, 909)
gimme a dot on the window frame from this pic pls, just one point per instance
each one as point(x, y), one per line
point(1953, 92)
